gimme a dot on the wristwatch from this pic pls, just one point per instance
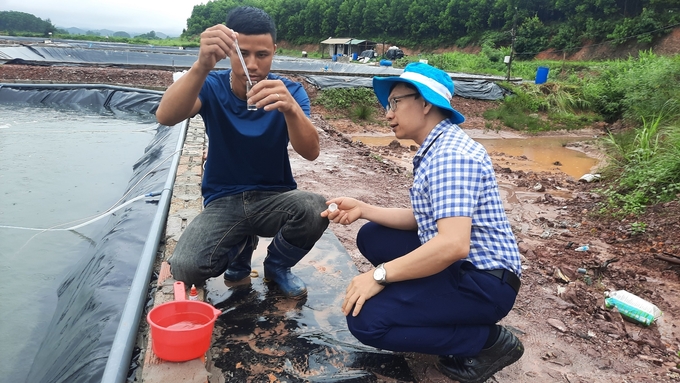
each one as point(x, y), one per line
point(380, 275)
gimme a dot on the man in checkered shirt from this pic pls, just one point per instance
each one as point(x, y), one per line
point(448, 268)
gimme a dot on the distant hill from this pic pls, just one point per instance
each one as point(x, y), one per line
point(106, 32)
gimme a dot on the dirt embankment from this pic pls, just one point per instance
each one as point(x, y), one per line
point(665, 45)
point(559, 315)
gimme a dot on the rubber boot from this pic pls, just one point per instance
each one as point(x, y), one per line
point(281, 256)
point(239, 259)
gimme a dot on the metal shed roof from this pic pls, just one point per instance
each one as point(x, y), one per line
point(337, 40)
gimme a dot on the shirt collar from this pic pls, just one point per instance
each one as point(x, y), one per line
point(429, 141)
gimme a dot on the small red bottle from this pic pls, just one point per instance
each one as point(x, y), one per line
point(193, 293)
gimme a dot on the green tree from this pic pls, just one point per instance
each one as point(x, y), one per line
point(532, 36)
point(540, 24)
point(640, 27)
point(16, 22)
point(150, 35)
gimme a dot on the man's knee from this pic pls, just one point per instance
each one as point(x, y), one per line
point(182, 271)
point(313, 205)
point(184, 266)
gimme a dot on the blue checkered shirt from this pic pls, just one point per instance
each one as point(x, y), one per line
point(453, 177)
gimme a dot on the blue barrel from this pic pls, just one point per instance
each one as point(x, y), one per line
point(542, 74)
point(335, 57)
point(355, 56)
point(384, 62)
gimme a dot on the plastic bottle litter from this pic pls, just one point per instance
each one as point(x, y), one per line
point(632, 307)
point(590, 177)
point(582, 248)
point(193, 293)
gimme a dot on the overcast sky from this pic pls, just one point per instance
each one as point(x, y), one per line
point(166, 16)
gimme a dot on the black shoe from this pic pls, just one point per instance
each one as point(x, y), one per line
point(506, 351)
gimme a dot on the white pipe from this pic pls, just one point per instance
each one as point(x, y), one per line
point(109, 212)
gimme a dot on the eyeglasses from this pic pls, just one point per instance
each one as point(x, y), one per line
point(392, 102)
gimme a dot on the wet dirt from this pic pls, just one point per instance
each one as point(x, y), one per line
point(567, 333)
point(559, 314)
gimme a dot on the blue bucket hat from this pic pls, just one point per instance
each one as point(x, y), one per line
point(434, 85)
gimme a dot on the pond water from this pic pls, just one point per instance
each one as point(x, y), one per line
point(58, 168)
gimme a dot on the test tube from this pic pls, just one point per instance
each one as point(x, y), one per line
point(248, 86)
point(250, 83)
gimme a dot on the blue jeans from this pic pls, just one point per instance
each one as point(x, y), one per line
point(448, 313)
point(228, 227)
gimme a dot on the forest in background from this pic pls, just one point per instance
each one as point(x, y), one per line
point(529, 26)
point(537, 25)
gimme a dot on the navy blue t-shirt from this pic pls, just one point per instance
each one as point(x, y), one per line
point(248, 150)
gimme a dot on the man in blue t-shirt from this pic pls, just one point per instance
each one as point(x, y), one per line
point(248, 186)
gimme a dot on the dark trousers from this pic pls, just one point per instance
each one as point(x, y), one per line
point(449, 313)
point(229, 227)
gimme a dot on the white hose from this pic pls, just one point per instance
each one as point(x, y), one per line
point(108, 211)
point(97, 218)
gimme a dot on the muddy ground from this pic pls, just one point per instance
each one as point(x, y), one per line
point(559, 315)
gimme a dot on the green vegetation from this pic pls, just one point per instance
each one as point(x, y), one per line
point(12, 22)
point(645, 163)
point(362, 113)
point(358, 104)
point(550, 106)
point(24, 24)
point(637, 228)
point(633, 89)
point(297, 53)
point(377, 157)
point(563, 25)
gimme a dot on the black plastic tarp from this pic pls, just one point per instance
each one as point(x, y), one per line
point(477, 89)
point(325, 74)
point(112, 277)
point(122, 55)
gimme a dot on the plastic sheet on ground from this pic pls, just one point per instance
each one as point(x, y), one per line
point(264, 337)
point(325, 74)
point(477, 89)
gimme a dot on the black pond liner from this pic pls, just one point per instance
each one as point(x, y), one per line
point(324, 74)
point(93, 331)
point(262, 335)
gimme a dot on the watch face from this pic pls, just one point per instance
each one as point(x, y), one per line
point(379, 274)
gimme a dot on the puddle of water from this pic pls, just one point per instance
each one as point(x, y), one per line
point(541, 153)
point(272, 338)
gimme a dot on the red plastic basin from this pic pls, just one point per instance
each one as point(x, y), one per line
point(181, 330)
